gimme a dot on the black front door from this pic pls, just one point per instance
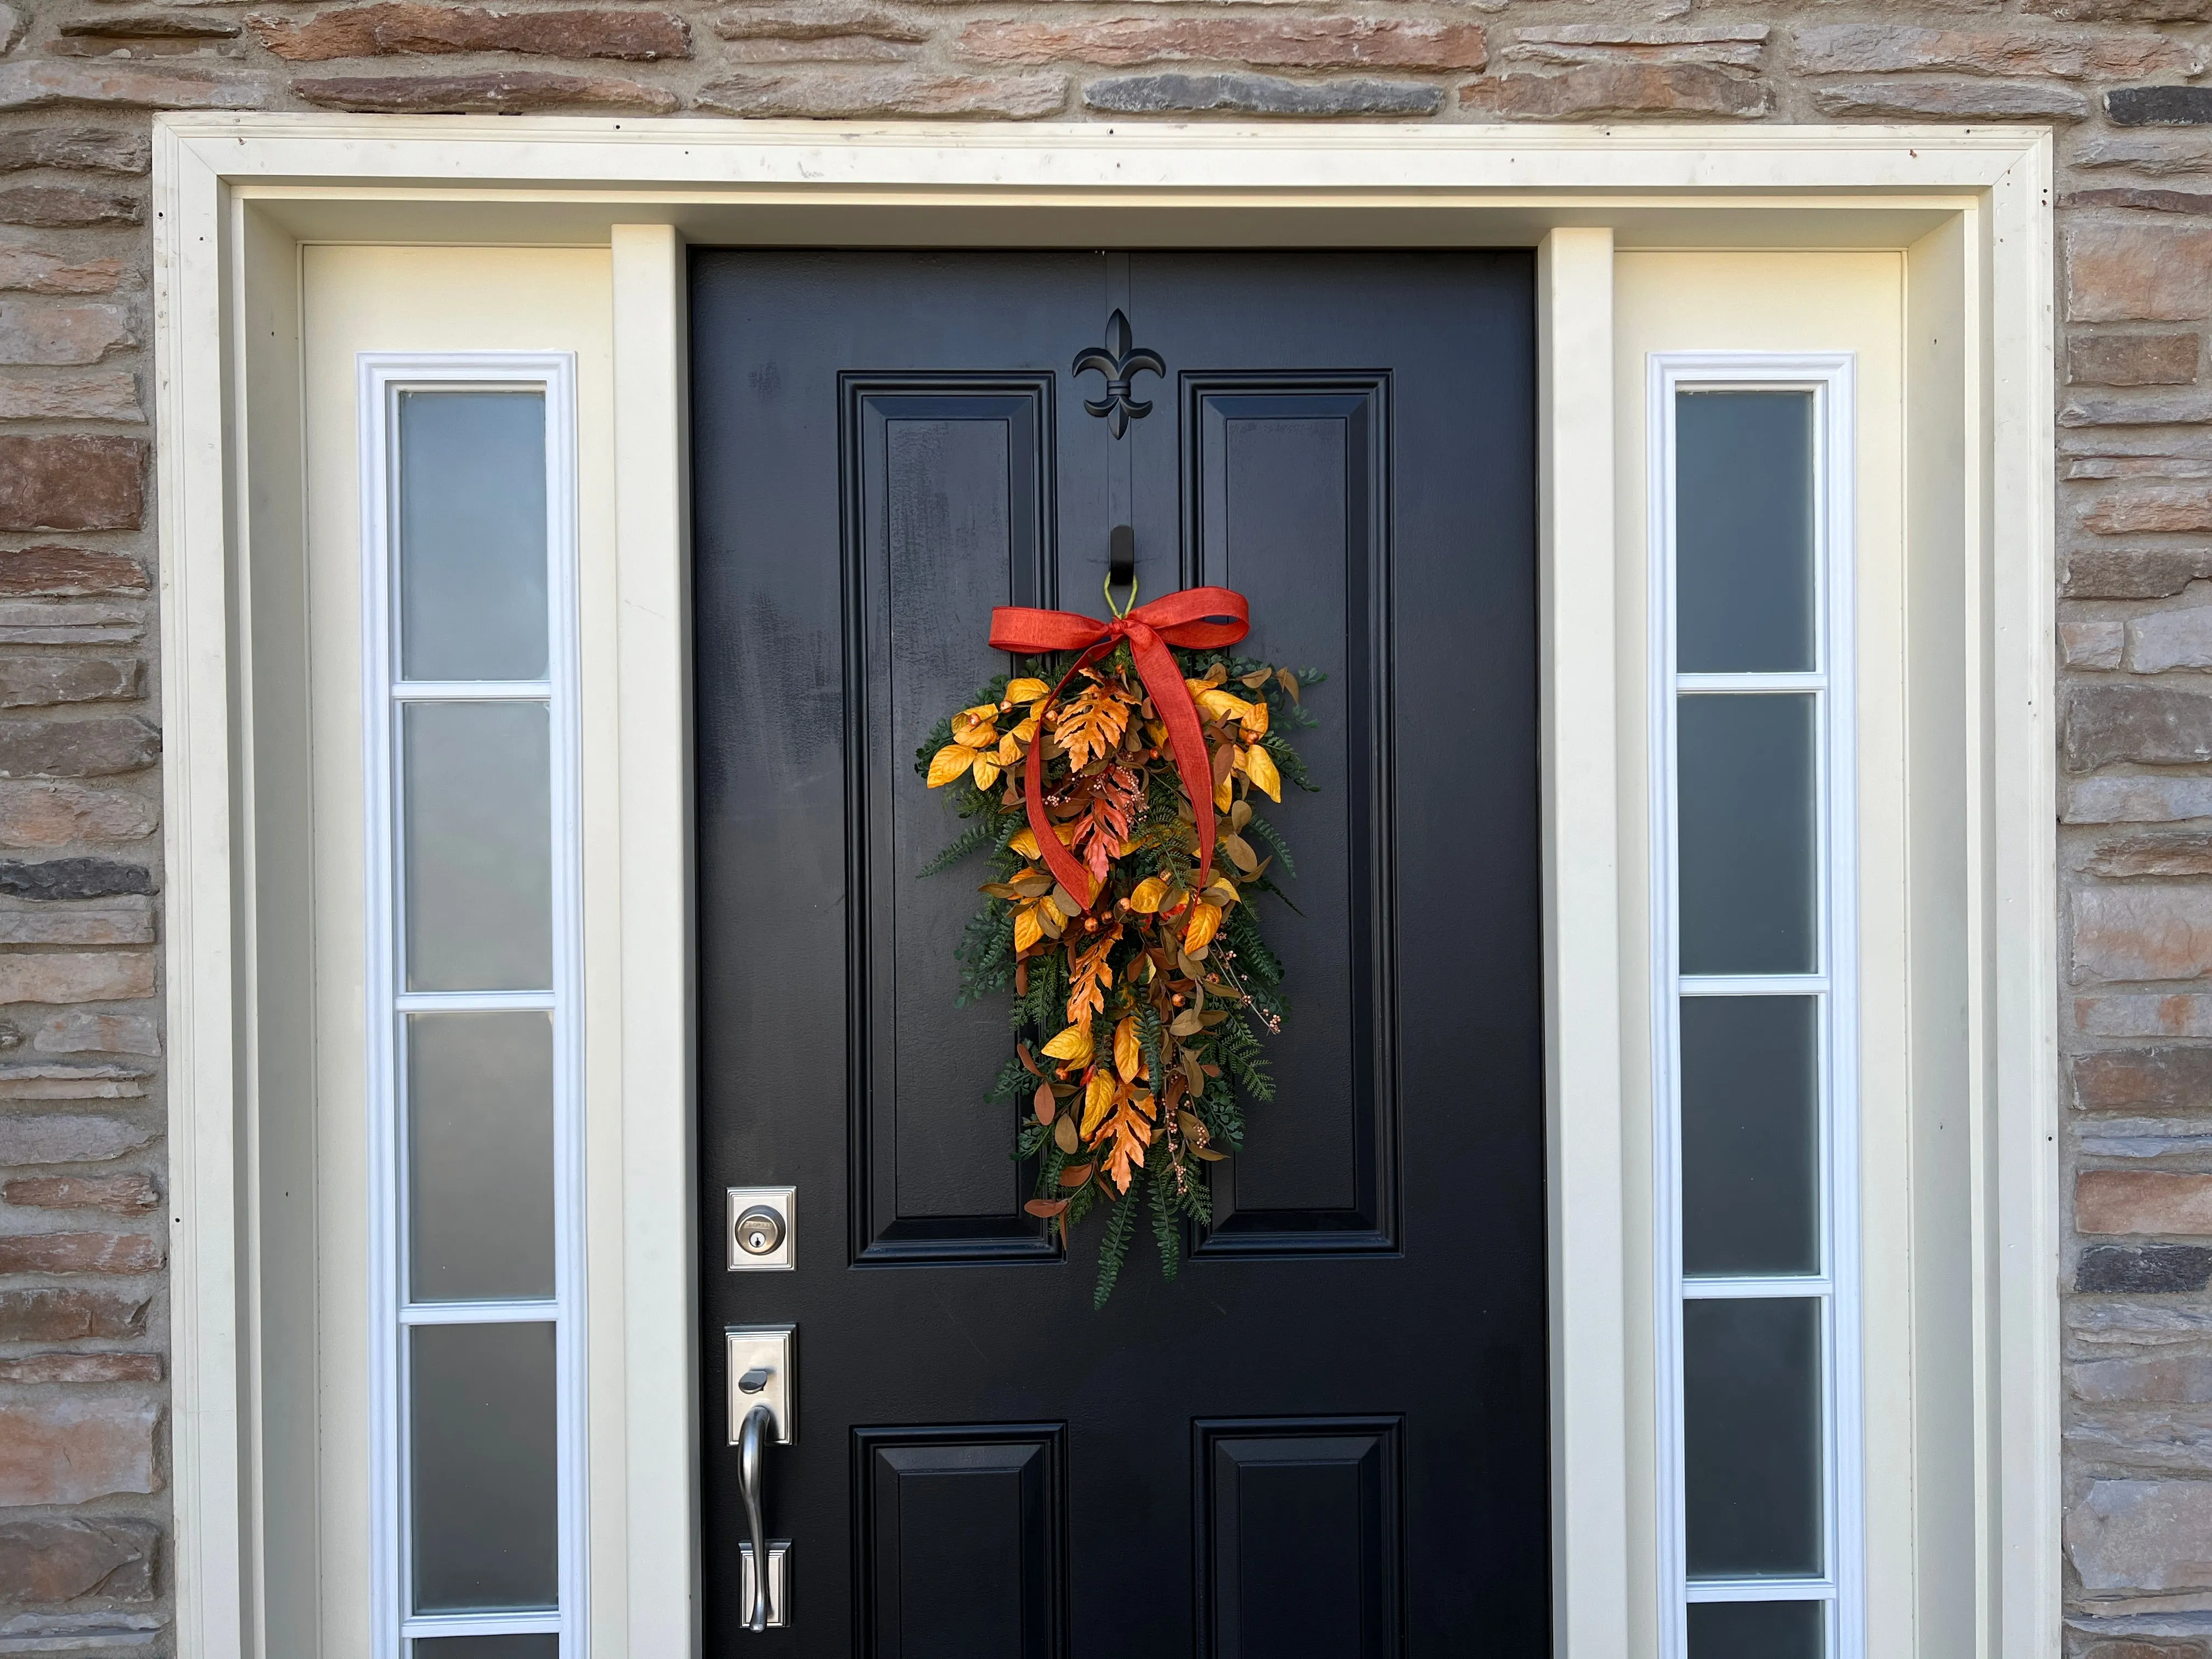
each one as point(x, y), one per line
point(1328, 1437)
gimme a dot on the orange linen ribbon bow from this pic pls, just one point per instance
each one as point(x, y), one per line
point(1180, 619)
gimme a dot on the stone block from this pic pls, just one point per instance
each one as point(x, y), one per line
point(2187, 854)
point(68, 572)
point(48, 1081)
point(112, 921)
point(69, 1138)
point(1954, 101)
point(2136, 195)
point(821, 49)
point(72, 1451)
point(77, 749)
point(1271, 42)
point(60, 1558)
point(35, 622)
point(2143, 106)
point(76, 976)
point(2168, 1077)
point(29, 270)
point(82, 149)
point(2153, 724)
point(2133, 359)
point(1619, 89)
point(2149, 1270)
point(2122, 273)
point(2162, 1202)
point(1741, 44)
point(805, 19)
point(2156, 572)
point(73, 878)
point(2096, 643)
point(169, 26)
point(2143, 1137)
point(2121, 11)
point(107, 397)
point(492, 92)
point(77, 1368)
point(2142, 933)
point(2180, 1379)
point(80, 1253)
point(55, 814)
point(2143, 409)
point(117, 1194)
point(2161, 154)
point(835, 94)
point(58, 335)
point(41, 682)
point(71, 482)
point(2132, 1536)
point(2154, 510)
point(1258, 94)
point(60, 1314)
point(67, 207)
point(2109, 800)
point(403, 26)
point(44, 83)
point(2127, 1014)
point(1882, 48)
point(2139, 1327)
point(2161, 640)
point(2144, 1651)
point(82, 1031)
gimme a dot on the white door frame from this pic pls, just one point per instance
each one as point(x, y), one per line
point(236, 194)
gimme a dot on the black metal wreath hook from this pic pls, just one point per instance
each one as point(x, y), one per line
point(1119, 361)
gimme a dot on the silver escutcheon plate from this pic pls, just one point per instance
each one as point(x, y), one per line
point(784, 1201)
point(779, 1580)
point(772, 1349)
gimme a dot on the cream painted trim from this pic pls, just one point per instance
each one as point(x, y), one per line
point(1583, 979)
point(231, 190)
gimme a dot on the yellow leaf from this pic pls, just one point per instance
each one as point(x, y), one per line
point(1097, 1100)
point(1010, 749)
point(1260, 767)
point(948, 763)
point(1054, 923)
point(1024, 842)
point(1147, 893)
point(1071, 1045)
point(1025, 691)
point(1205, 921)
point(1222, 707)
point(1223, 891)
point(1256, 721)
point(976, 727)
point(1222, 792)
point(987, 771)
point(1128, 1052)
point(1028, 930)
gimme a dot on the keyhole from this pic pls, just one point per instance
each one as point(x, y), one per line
point(760, 1230)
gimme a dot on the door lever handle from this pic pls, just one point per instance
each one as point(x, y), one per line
point(758, 1421)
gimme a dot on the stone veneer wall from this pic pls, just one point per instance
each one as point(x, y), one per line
point(83, 1510)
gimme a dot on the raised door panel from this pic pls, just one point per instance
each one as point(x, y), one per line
point(948, 491)
point(1286, 486)
point(960, 1534)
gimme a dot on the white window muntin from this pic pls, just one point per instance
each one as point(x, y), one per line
point(1828, 378)
point(394, 1315)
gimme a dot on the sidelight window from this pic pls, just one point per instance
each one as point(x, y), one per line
point(1756, 1109)
point(476, 1271)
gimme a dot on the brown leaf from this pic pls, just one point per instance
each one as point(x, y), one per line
point(1043, 1104)
point(1064, 1135)
point(1046, 1207)
point(1074, 1176)
point(1289, 683)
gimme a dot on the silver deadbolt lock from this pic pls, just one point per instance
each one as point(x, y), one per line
point(760, 1230)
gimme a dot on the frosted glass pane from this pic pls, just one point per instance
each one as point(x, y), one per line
point(1743, 531)
point(488, 1647)
point(472, 553)
point(1751, 1129)
point(478, 847)
point(1746, 808)
point(480, 1157)
point(487, 1522)
point(1751, 1410)
point(1757, 1630)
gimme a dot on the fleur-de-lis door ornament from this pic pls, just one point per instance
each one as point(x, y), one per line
point(1119, 362)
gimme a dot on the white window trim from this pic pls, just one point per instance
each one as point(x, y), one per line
point(235, 195)
point(1830, 377)
point(383, 377)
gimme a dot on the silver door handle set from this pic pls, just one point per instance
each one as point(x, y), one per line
point(764, 1407)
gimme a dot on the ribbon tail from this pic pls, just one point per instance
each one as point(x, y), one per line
point(1063, 863)
point(1156, 665)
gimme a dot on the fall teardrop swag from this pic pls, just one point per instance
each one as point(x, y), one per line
point(1141, 983)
